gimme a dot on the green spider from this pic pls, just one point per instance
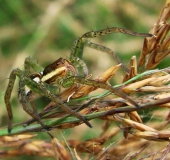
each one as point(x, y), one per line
point(61, 73)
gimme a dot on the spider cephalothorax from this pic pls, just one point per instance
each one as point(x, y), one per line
point(57, 70)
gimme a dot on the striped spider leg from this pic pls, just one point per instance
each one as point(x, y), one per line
point(83, 80)
point(83, 41)
point(39, 84)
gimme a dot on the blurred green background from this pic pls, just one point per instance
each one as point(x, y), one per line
point(46, 30)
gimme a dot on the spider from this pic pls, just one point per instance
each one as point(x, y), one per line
point(61, 73)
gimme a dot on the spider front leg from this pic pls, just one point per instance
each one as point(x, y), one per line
point(83, 41)
point(7, 98)
point(61, 104)
point(24, 101)
point(31, 63)
point(24, 80)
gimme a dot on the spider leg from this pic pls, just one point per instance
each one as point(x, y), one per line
point(83, 41)
point(59, 102)
point(111, 30)
point(7, 97)
point(27, 81)
point(24, 102)
point(31, 63)
point(82, 80)
point(28, 64)
point(78, 109)
point(79, 62)
point(109, 51)
point(32, 103)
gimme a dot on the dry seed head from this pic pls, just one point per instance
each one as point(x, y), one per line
point(154, 89)
point(9, 139)
point(164, 134)
point(60, 151)
point(156, 47)
point(91, 146)
point(26, 136)
point(132, 69)
point(152, 81)
point(32, 147)
point(137, 125)
point(160, 80)
point(40, 148)
point(147, 135)
point(144, 52)
point(156, 136)
point(162, 96)
point(135, 116)
point(16, 137)
point(136, 85)
point(109, 73)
